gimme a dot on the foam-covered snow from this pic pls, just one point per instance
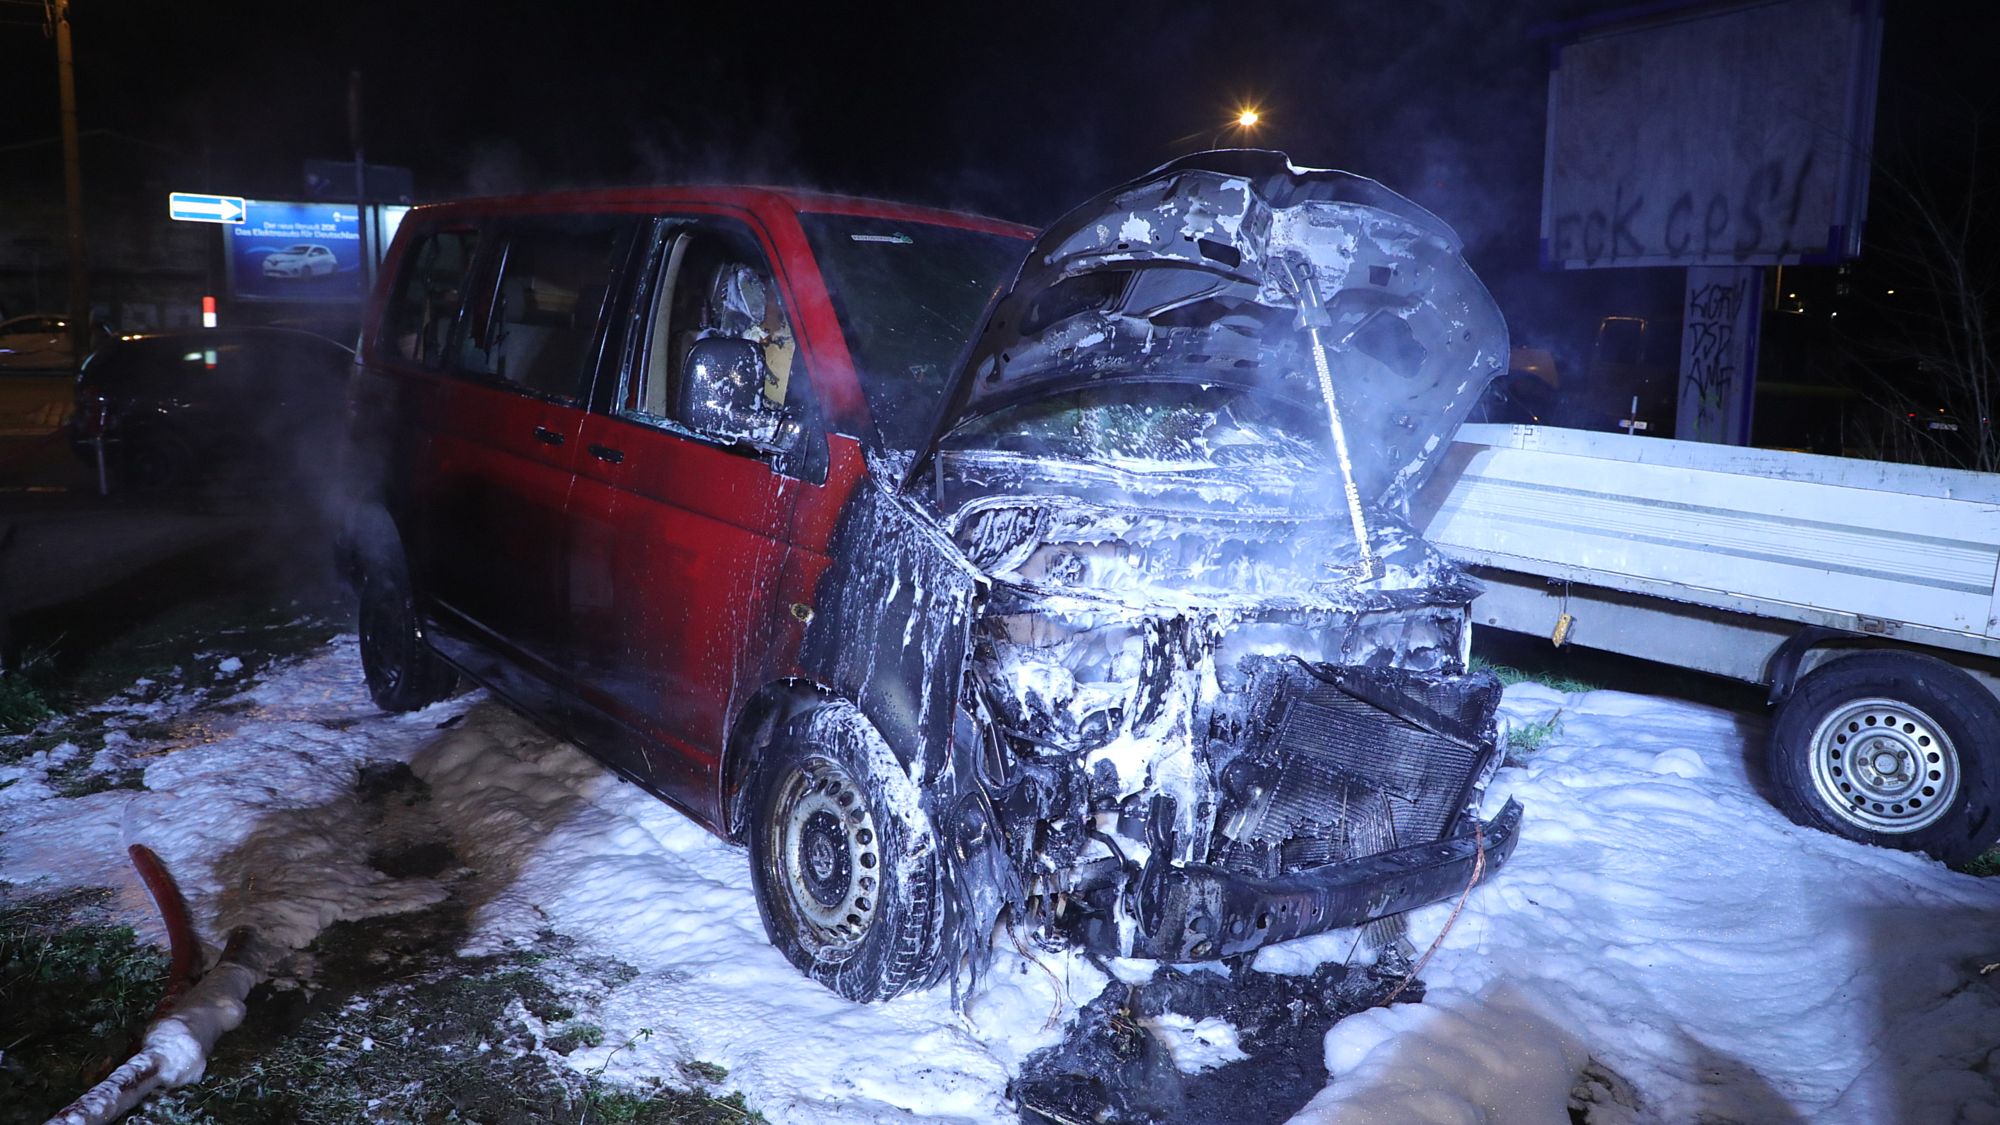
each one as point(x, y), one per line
point(1661, 930)
point(1717, 961)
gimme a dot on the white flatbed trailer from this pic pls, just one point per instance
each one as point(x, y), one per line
point(1865, 594)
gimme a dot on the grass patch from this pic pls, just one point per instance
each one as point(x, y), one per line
point(22, 707)
point(1509, 675)
point(73, 991)
point(180, 658)
point(696, 1070)
point(397, 1028)
point(23, 747)
point(576, 1034)
point(76, 775)
point(85, 782)
point(185, 647)
point(180, 651)
point(666, 1107)
point(1531, 737)
point(24, 697)
point(1985, 866)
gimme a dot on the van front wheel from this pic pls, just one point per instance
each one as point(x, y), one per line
point(1892, 749)
point(843, 858)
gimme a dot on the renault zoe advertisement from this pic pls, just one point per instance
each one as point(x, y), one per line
point(284, 251)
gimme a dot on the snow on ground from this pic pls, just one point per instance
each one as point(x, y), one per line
point(1661, 930)
point(253, 812)
point(1723, 964)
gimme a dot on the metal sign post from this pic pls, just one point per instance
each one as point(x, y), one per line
point(360, 179)
point(1719, 353)
point(79, 276)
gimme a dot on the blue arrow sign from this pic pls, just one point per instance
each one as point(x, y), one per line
point(191, 208)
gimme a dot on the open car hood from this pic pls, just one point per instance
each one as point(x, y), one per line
point(1214, 269)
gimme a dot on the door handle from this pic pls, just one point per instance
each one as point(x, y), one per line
point(547, 436)
point(606, 453)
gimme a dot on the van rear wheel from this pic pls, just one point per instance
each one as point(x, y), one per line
point(843, 858)
point(401, 671)
point(1892, 749)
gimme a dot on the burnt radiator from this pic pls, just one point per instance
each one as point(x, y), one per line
point(1348, 761)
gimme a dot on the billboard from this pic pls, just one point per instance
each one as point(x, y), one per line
point(284, 251)
point(1736, 136)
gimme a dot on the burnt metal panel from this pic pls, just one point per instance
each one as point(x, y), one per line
point(1199, 912)
point(891, 624)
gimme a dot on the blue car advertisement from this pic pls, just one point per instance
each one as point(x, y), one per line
point(295, 252)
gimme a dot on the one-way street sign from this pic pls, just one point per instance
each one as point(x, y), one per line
point(191, 208)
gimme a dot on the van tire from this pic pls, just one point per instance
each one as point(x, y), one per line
point(1894, 749)
point(843, 858)
point(403, 673)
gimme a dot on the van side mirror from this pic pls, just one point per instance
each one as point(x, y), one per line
point(722, 392)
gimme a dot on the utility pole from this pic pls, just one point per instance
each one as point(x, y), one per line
point(360, 184)
point(79, 283)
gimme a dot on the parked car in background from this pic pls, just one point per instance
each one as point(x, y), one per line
point(248, 404)
point(963, 578)
point(35, 342)
point(304, 260)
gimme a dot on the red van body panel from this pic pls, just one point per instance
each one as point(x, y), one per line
point(623, 583)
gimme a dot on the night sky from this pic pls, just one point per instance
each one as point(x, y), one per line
point(1017, 110)
point(1014, 110)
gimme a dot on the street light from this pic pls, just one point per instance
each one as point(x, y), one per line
point(1242, 123)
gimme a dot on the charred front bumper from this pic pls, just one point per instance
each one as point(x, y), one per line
point(1341, 794)
point(1200, 912)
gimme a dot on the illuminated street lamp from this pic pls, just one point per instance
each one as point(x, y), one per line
point(1245, 121)
point(1241, 123)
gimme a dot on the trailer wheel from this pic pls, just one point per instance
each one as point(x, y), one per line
point(1892, 749)
point(843, 859)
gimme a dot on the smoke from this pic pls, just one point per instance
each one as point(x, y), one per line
point(764, 151)
point(496, 167)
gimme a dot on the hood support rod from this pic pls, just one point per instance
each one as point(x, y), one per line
point(1313, 315)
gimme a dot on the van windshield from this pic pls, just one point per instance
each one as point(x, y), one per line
point(908, 296)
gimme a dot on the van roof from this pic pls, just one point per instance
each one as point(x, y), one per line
point(749, 198)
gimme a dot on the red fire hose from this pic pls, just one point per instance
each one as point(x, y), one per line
point(184, 954)
point(190, 1017)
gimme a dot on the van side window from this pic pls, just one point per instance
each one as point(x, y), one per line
point(711, 283)
point(428, 296)
point(541, 333)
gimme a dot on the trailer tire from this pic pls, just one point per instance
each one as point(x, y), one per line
point(843, 858)
point(1891, 749)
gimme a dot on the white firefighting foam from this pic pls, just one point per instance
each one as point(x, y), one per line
point(1663, 942)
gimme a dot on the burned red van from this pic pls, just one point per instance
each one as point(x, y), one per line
point(962, 574)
